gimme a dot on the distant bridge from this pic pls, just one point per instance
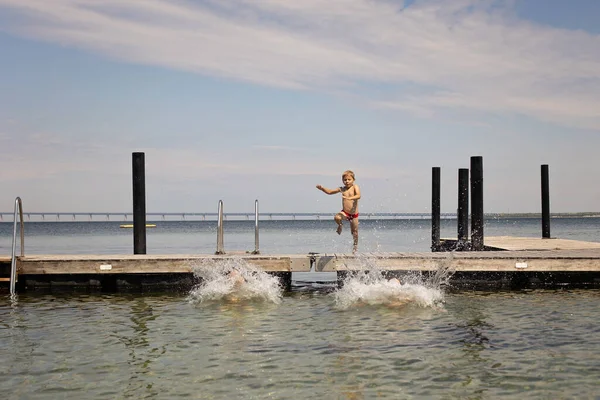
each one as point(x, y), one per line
point(201, 216)
point(240, 216)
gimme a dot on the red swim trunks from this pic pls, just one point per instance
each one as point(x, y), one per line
point(348, 216)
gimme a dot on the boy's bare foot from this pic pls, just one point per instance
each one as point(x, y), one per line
point(339, 229)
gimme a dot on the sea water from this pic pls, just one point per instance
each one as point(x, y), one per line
point(275, 237)
point(369, 338)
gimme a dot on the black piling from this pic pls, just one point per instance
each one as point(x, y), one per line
point(435, 208)
point(545, 203)
point(463, 206)
point(477, 203)
point(139, 203)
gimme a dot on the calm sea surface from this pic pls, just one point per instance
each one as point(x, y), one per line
point(369, 339)
point(297, 237)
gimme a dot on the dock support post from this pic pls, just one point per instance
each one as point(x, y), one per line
point(545, 203)
point(435, 208)
point(463, 207)
point(285, 279)
point(139, 203)
point(477, 203)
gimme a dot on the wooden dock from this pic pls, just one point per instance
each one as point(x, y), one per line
point(510, 261)
point(529, 243)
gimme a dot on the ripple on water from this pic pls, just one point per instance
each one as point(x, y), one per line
point(534, 344)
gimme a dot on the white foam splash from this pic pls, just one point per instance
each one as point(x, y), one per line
point(234, 279)
point(370, 286)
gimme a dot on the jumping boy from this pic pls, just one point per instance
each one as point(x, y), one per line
point(350, 195)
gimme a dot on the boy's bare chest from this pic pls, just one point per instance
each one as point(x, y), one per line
point(348, 191)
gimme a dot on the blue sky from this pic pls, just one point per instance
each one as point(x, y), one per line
point(264, 99)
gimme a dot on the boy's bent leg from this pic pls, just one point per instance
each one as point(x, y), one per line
point(338, 220)
point(354, 230)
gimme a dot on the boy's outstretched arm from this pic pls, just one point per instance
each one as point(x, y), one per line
point(328, 191)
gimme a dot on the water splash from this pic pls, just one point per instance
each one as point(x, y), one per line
point(233, 279)
point(370, 285)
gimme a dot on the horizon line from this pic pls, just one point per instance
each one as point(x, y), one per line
point(290, 214)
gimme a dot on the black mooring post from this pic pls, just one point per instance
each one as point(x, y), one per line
point(139, 203)
point(463, 205)
point(435, 209)
point(545, 203)
point(477, 203)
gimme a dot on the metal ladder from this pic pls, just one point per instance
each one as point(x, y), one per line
point(220, 247)
point(13, 261)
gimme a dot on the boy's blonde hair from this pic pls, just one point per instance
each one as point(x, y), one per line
point(348, 172)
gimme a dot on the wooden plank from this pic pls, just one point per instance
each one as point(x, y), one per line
point(141, 264)
point(531, 243)
point(547, 254)
point(151, 257)
point(299, 264)
point(548, 260)
point(586, 259)
point(481, 265)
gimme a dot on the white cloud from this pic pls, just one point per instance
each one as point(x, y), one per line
point(464, 55)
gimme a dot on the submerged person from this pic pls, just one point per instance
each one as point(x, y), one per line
point(397, 299)
point(395, 281)
point(238, 282)
point(236, 279)
point(350, 196)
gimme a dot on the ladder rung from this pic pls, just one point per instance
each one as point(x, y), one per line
point(4, 279)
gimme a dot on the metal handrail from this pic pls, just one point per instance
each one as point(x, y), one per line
point(256, 251)
point(13, 262)
point(220, 249)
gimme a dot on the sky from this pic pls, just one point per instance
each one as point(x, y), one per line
point(264, 99)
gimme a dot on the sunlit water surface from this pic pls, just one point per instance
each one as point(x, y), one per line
point(370, 338)
point(535, 345)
